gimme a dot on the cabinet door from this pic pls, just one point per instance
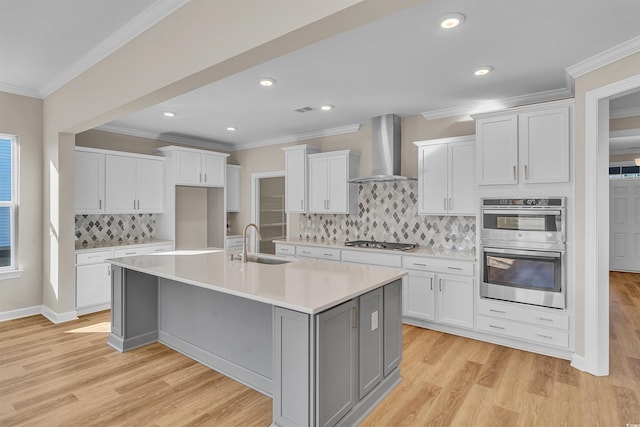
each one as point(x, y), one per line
point(432, 179)
point(462, 179)
point(392, 327)
point(337, 358)
point(371, 316)
point(497, 150)
point(89, 182)
point(338, 187)
point(149, 186)
point(544, 145)
point(419, 295)
point(318, 182)
point(213, 170)
point(455, 300)
point(233, 189)
point(93, 284)
point(295, 180)
point(188, 170)
point(120, 184)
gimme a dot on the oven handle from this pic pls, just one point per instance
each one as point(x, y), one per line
point(526, 252)
point(526, 211)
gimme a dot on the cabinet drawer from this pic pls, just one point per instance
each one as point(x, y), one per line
point(372, 258)
point(119, 253)
point(158, 248)
point(526, 332)
point(437, 265)
point(234, 242)
point(283, 249)
point(318, 252)
point(92, 257)
point(521, 313)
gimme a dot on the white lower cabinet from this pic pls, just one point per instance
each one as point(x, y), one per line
point(93, 274)
point(537, 325)
point(439, 297)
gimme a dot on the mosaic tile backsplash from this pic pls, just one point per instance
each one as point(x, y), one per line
point(388, 211)
point(107, 228)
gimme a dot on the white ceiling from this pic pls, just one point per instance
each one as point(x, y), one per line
point(403, 64)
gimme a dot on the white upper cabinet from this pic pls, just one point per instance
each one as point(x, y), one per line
point(446, 176)
point(134, 184)
point(89, 182)
point(233, 188)
point(329, 189)
point(297, 177)
point(528, 145)
point(198, 167)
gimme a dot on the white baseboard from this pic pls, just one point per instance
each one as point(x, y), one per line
point(20, 313)
point(58, 317)
point(580, 363)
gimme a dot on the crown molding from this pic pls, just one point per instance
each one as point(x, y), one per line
point(175, 139)
point(17, 90)
point(601, 59)
point(626, 112)
point(159, 10)
point(299, 137)
point(500, 104)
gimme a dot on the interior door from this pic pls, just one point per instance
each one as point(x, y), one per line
point(624, 225)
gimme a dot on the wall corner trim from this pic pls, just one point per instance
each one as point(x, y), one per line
point(58, 317)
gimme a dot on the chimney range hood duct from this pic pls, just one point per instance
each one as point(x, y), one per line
point(385, 151)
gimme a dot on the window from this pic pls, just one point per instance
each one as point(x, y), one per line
point(8, 202)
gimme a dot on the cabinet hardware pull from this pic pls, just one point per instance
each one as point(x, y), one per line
point(526, 172)
point(134, 204)
point(431, 284)
point(327, 254)
point(306, 252)
point(355, 317)
point(109, 271)
point(445, 203)
point(129, 253)
point(421, 265)
point(544, 336)
point(514, 172)
point(100, 204)
point(95, 256)
point(545, 319)
point(450, 203)
point(440, 283)
point(284, 250)
point(454, 268)
point(497, 311)
point(496, 327)
point(205, 177)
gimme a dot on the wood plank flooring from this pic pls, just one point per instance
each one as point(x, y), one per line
point(66, 375)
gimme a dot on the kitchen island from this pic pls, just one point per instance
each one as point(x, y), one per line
point(322, 339)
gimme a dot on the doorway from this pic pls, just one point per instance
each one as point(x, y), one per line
point(267, 210)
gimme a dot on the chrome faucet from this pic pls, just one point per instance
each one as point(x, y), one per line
point(244, 240)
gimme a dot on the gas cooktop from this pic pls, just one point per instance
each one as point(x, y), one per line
point(381, 245)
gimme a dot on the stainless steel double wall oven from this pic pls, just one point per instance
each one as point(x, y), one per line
point(523, 249)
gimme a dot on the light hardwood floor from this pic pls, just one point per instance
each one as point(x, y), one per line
point(66, 375)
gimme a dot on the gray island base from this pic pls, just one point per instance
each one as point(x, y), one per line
point(322, 364)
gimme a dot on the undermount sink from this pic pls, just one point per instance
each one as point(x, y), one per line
point(267, 260)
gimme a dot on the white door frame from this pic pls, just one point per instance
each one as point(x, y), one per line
point(596, 261)
point(255, 202)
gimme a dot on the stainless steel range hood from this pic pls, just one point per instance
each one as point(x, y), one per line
point(385, 151)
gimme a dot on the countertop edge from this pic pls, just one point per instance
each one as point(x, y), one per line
point(132, 245)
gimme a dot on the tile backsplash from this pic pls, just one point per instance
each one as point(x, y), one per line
point(107, 228)
point(388, 211)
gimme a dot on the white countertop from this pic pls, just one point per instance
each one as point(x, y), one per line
point(305, 285)
point(421, 251)
point(107, 245)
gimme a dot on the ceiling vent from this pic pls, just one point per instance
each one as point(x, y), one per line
point(303, 109)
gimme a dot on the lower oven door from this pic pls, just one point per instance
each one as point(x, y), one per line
point(521, 275)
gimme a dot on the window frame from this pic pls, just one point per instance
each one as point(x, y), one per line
point(12, 271)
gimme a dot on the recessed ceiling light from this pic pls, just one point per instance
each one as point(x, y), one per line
point(231, 128)
point(169, 114)
point(482, 71)
point(266, 81)
point(451, 20)
point(326, 107)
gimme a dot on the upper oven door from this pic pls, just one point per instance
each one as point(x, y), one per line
point(542, 225)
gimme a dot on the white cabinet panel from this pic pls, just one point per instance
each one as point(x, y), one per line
point(624, 224)
point(120, 184)
point(233, 188)
point(296, 165)
point(318, 184)
point(188, 168)
point(89, 182)
point(329, 189)
point(338, 192)
point(497, 150)
point(446, 176)
point(149, 186)
point(93, 283)
point(213, 170)
point(455, 300)
point(419, 296)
